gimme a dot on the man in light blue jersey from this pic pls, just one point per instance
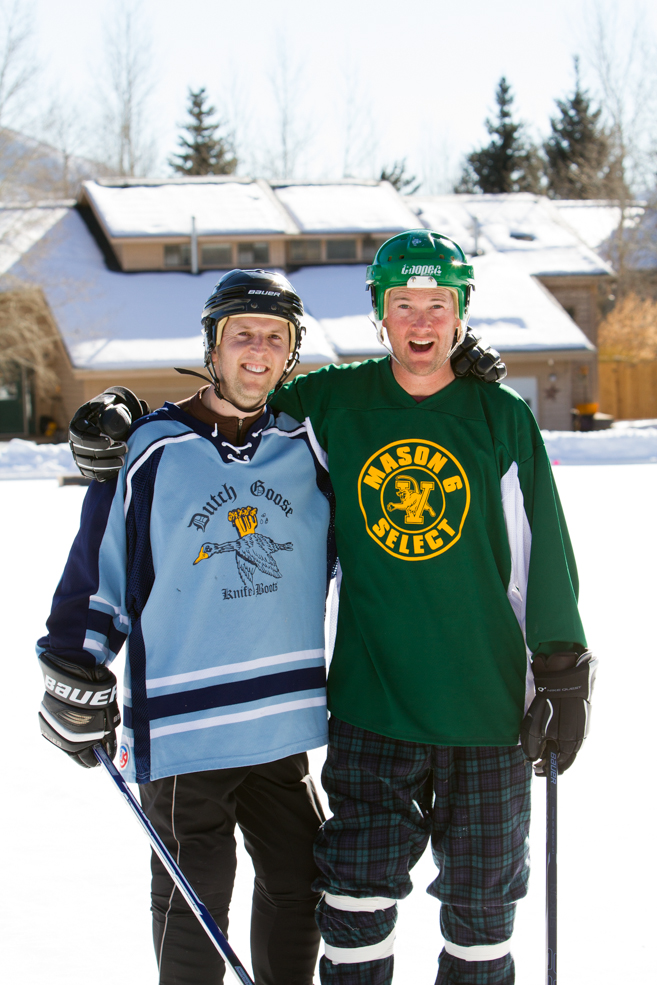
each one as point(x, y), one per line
point(209, 553)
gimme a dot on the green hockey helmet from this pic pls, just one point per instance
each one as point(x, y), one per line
point(420, 258)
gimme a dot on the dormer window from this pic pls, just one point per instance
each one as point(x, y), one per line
point(250, 254)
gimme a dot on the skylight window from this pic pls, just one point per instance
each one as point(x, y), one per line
point(518, 234)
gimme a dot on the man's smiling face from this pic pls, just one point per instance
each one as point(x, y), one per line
point(421, 323)
point(251, 358)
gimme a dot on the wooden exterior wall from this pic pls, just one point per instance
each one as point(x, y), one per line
point(628, 390)
point(562, 381)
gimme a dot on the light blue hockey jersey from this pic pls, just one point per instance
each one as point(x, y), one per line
point(213, 560)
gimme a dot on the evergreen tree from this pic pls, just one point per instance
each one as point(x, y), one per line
point(578, 151)
point(399, 177)
point(508, 163)
point(202, 151)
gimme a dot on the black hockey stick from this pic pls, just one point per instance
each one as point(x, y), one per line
point(198, 908)
point(551, 866)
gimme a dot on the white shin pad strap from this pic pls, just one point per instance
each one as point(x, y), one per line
point(478, 952)
point(354, 955)
point(353, 904)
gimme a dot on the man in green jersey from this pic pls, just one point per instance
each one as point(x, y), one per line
point(458, 587)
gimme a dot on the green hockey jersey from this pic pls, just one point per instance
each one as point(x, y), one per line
point(455, 559)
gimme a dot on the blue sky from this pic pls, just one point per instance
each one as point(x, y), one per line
point(416, 79)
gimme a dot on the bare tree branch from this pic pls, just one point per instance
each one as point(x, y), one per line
point(623, 56)
point(360, 141)
point(17, 68)
point(287, 80)
point(128, 145)
point(26, 338)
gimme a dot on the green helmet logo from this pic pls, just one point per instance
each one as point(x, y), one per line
point(420, 258)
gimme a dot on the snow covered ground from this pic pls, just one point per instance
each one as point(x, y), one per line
point(74, 906)
point(624, 444)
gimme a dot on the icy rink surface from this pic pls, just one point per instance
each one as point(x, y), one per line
point(75, 865)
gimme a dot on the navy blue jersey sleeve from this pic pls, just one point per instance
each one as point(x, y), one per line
point(88, 622)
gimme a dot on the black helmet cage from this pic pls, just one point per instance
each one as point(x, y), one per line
point(258, 292)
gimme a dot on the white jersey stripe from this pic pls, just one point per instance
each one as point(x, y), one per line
point(234, 668)
point(188, 436)
point(117, 611)
point(91, 644)
point(321, 455)
point(240, 716)
point(520, 545)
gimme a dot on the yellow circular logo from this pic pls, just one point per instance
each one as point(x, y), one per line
point(415, 497)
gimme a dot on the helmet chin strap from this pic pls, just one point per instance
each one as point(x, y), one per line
point(378, 325)
point(216, 386)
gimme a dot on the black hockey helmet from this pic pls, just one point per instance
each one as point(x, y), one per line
point(253, 292)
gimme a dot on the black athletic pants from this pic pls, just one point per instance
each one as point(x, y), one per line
point(277, 809)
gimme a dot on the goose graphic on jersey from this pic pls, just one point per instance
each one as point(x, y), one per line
point(252, 550)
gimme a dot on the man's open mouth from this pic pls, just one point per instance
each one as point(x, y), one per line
point(252, 368)
point(418, 346)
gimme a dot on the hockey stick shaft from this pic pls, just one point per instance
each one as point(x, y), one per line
point(551, 869)
point(197, 907)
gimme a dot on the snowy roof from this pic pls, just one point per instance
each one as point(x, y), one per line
point(346, 206)
point(514, 312)
point(527, 227)
point(597, 222)
point(511, 310)
point(114, 320)
point(229, 206)
point(338, 298)
point(594, 221)
point(22, 228)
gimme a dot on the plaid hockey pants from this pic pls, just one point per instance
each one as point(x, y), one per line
point(389, 797)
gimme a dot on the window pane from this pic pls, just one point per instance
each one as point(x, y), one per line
point(11, 402)
point(369, 247)
point(252, 253)
point(340, 249)
point(261, 252)
point(178, 255)
point(304, 251)
point(217, 255)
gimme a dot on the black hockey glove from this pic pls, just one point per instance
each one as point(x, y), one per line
point(97, 432)
point(79, 708)
point(560, 711)
point(470, 357)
